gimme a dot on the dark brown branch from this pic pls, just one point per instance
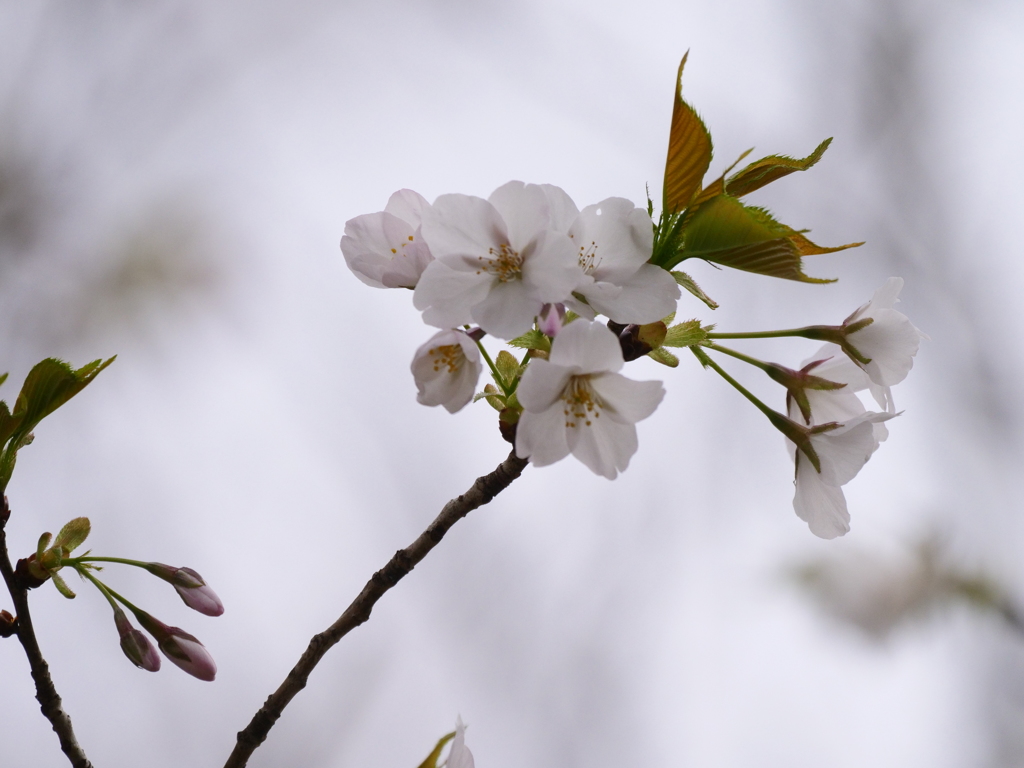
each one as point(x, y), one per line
point(483, 490)
point(46, 694)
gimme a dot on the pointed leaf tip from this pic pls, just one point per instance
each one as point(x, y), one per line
point(689, 151)
point(73, 534)
point(768, 169)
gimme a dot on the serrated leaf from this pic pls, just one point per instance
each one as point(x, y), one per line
point(690, 285)
point(689, 151)
point(494, 398)
point(62, 586)
point(431, 761)
point(533, 339)
point(7, 423)
point(726, 232)
point(685, 334)
point(42, 544)
point(663, 356)
point(507, 365)
point(49, 385)
point(73, 534)
point(766, 170)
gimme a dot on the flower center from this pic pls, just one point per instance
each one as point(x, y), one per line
point(503, 262)
point(581, 403)
point(449, 356)
point(588, 258)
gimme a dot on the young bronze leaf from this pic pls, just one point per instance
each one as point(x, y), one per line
point(689, 151)
point(768, 169)
point(807, 248)
point(49, 385)
point(726, 232)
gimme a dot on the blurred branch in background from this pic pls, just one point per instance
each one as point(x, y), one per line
point(879, 592)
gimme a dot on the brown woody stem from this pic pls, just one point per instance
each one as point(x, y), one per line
point(482, 491)
point(46, 694)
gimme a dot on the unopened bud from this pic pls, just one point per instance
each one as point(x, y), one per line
point(28, 574)
point(191, 587)
point(136, 646)
point(550, 319)
point(181, 648)
point(8, 625)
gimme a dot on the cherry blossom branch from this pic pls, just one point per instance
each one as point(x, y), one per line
point(46, 693)
point(482, 491)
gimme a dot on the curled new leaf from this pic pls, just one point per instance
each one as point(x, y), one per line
point(73, 534)
point(689, 151)
point(766, 170)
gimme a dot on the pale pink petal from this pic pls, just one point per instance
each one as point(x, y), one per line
point(408, 206)
point(587, 347)
point(821, 506)
point(626, 400)
point(542, 385)
point(891, 341)
point(370, 243)
point(446, 370)
point(614, 238)
point(549, 267)
point(646, 297)
point(525, 210)
point(541, 436)
point(446, 296)
point(508, 309)
point(602, 444)
point(561, 208)
point(463, 231)
point(459, 755)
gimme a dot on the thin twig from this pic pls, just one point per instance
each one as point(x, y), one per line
point(46, 694)
point(483, 490)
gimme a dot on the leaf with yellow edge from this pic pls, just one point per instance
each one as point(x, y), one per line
point(431, 761)
point(726, 232)
point(766, 170)
point(689, 151)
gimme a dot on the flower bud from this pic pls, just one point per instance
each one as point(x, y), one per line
point(8, 624)
point(181, 648)
point(136, 646)
point(550, 319)
point(191, 587)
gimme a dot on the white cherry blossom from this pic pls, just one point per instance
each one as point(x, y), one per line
point(497, 261)
point(577, 402)
point(841, 453)
point(459, 756)
point(889, 341)
point(385, 249)
point(446, 370)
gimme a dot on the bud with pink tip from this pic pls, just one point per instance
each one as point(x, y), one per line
point(550, 319)
point(183, 650)
point(136, 646)
point(191, 587)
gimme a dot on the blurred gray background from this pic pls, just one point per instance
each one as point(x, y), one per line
point(174, 180)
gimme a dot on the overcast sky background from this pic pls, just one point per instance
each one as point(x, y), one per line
point(174, 180)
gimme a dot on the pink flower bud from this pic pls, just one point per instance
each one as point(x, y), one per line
point(183, 650)
point(191, 587)
point(550, 318)
point(136, 646)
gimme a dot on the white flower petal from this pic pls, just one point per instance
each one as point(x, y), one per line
point(507, 310)
point(446, 370)
point(587, 347)
point(525, 210)
point(844, 451)
point(372, 241)
point(550, 269)
point(821, 506)
point(542, 385)
point(615, 237)
point(646, 297)
point(446, 296)
point(602, 444)
point(888, 294)
point(459, 755)
point(463, 231)
point(627, 401)
point(891, 341)
point(541, 436)
point(562, 209)
point(408, 206)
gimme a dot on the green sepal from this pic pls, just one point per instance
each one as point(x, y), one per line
point(766, 170)
point(689, 151)
point(663, 356)
point(725, 231)
point(43, 543)
point(432, 758)
point(687, 334)
point(73, 534)
point(533, 339)
point(687, 282)
point(508, 367)
point(49, 385)
point(61, 585)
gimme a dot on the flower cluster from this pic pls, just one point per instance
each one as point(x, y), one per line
point(527, 266)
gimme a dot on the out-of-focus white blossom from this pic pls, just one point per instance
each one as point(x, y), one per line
point(386, 249)
point(497, 261)
point(446, 370)
point(459, 756)
point(889, 342)
point(576, 402)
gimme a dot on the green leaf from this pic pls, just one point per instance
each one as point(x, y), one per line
point(494, 397)
point(431, 761)
point(507, 366)
point(689, 284)
point(73, 534)
point(7, 423)
point(766, 170)
point(664, 357)
point(686, 334)
point(49, 385)
point(43, 543)
point(62, 586)
point(532, 340)
point(3, 378)
point(689, 151)
point(726, 232)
